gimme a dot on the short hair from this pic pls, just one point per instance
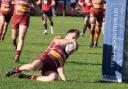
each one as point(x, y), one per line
point(74, 31)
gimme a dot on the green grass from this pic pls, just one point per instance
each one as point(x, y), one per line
point(83, 69)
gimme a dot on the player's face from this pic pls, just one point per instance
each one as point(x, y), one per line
point(71, 35)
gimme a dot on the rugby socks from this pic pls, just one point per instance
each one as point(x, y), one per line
point(45, 28)
point(84, 28)
point(17, 69)
point(52, 30)
point(18, 52)
point(51, 23)
point(33, 77)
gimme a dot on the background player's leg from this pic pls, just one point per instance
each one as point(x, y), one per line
point(98, 31)
point(45, 24)
point(22, 33)
point(4, 30)
point(86, 22)
point(14, 37)
point(2, 21)
point(92, 31)
point(51, 23)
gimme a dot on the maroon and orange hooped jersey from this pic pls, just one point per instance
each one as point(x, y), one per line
point(5, 6)
point(56, 53)
point(22, 7)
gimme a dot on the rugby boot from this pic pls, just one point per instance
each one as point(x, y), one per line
point(96, 44)
point(11, 72)
point(21, 75)
point(91, 44)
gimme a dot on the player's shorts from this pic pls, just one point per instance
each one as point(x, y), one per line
point(73, 5)
point(86, 14)
point(6, 16)
point(48, 13)
point(20, 20)
point(98, 14)
point(49, 64)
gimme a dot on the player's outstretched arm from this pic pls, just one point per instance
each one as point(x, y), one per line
point(61, 73)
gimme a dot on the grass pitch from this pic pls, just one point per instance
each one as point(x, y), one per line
point(83, 69)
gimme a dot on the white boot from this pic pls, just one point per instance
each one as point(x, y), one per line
point(45, 32)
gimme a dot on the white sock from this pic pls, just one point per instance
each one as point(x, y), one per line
point(52, 30)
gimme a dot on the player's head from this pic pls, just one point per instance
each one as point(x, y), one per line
point(73, 34)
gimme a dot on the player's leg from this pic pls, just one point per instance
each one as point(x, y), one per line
point(7, 20)
point(22, 34)
point(36, 65)
point(92, 30)
point(51, 23)
point(15, 31)
point(44, 18)
point(86, 23)
point(2, 21)
point(98, 29)
point(103, 24)
point(50, 76)
point(14, 37)
point(4, 30)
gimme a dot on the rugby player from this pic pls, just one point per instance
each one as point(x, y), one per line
point(6, 11)
point(50, 62)
point(20, 24)
point(86, 6)
point(96, 19)
point(103, 24)
point(47, 15)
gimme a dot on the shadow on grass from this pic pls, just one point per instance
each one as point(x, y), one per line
point(95, 53)
point(83, 63)
point(85, 45)
point(91, 81)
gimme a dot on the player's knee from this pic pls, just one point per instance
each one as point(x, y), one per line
point(98, 31)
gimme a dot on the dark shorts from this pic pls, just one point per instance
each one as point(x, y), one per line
point(86, 14)
point(20, 20)
point(73, 5)
point(98, 14)
point(48, 13)
point(7, 17)
point(48, 63)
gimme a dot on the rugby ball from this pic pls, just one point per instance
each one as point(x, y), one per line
point(70, 48)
